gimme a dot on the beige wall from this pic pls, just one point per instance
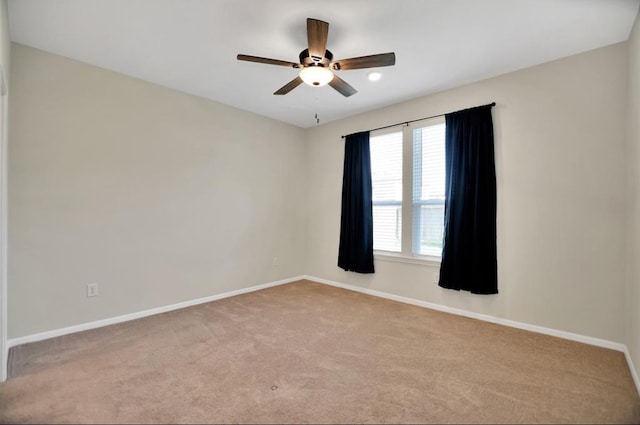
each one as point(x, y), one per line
point(633, 291)
point(5, 48)
point(162, 197)
point(158, 196)
point(5, 40)
point(561, 180)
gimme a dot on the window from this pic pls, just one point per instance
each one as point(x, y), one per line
point(428, 190)
point(408, 174)
point(386, 180)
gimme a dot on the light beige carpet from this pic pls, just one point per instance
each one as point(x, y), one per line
point(306, 352)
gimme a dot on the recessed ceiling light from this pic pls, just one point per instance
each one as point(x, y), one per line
point(374, 76)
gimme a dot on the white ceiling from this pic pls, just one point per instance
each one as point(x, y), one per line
point(191, 45)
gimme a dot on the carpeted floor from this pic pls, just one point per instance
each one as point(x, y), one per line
point(310, 353)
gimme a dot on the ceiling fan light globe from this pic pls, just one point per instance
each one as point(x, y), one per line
point(316, 76)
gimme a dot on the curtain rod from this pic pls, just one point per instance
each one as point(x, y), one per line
point(425, 118)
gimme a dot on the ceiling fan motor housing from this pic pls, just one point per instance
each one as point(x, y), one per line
point(307, 60)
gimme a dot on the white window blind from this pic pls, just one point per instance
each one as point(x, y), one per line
point(428, 190)
point(386, 175)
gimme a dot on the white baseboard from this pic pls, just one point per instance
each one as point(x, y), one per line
point(138, 315)
point(4, 367)
point(484, 317)
point(632, 369)
point(492, 319)
point(460, 312)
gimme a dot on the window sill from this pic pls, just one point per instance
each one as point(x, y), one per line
point(398, 258)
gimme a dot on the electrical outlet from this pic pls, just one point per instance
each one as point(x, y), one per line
point(276, 262)
point(92, 290)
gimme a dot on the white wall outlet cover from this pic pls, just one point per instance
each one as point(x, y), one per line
point(92, 290)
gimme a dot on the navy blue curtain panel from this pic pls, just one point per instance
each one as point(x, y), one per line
point(469, 259)
point(356, 224)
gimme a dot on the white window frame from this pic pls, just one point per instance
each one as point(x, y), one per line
point(406, 254)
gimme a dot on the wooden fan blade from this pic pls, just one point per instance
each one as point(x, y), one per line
point(317, 34)
point(372, 61)
point(268, 61)
point(289, 86)
point(340, 85)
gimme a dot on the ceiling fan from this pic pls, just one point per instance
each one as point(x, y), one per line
point(317, 65)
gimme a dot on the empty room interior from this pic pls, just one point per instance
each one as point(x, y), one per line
point(290, 211)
